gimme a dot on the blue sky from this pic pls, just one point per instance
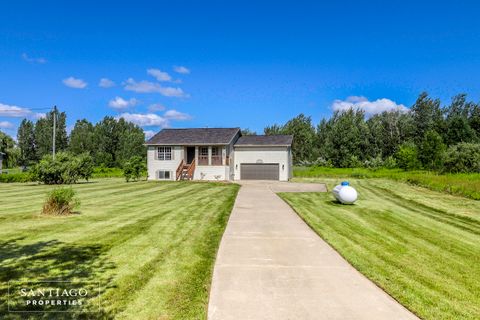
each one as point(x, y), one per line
point(246, 63)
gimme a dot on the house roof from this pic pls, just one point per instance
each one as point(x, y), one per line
point(261, 140)
point(194, 136)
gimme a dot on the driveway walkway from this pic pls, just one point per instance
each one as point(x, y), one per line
point(271, 265)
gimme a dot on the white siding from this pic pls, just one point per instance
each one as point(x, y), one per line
point(210, 173)
point(280, 155)
point(155, 165)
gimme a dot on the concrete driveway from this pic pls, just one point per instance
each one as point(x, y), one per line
point(271, 265)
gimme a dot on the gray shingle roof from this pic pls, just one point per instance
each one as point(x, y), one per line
point(194, 136)
point(260, 140)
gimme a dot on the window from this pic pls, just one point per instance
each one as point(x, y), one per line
point(216, 157)
point(164, 175)
point(164, 153)
point(203, 156)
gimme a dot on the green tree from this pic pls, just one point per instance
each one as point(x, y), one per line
point(106, 140)
point(65, 168)
point(134, 168)
point(304, 138)
point(474, 119)
point(431, 150)
point(26, 142)
point(457, 125)
point(463, 158)
point(248, 132)
point(44, 133)
point(407, 156)
point(345, 138)
point(427, 115)
point(82, 138)
point(130, 142)
point(7, 146)
point(273, 129)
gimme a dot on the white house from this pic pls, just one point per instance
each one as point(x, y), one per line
point(218, 154)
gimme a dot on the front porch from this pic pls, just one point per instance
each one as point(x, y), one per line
point(201, 158)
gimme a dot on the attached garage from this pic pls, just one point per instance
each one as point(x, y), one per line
point(259, 171)
point(263, 158)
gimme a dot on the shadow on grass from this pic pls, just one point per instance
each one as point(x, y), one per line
point(83, 264)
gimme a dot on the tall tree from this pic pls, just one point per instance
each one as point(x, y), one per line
point(431, 150)
point(106, 140)
point(273, 129)
point(44, 133)
point(457, 126)
point(346, 138)
point(82, 138)
point(26, 142)
point(248, 132)
point(304, 138)
point(7, 146)
point(130, 142)
point(117, 141)
point(427, 115)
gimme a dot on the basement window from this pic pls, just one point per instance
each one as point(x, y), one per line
point(163, 175)
point(164, 153)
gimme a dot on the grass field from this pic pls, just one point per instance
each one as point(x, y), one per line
point(421, 246)
point(150, 245)
point(467, 185)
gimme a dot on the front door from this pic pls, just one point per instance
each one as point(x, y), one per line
point(190, 154)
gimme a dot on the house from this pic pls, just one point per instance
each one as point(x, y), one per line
point(218, 154)
point(1, 160)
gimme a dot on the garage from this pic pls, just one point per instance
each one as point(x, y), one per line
point(259, 171)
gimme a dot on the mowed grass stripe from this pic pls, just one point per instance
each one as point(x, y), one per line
point(425, 257)
point(103, 211)
point(150, 238)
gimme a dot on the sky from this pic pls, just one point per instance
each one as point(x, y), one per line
point(244, 64)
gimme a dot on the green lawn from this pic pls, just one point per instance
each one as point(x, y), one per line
point(421, 246)
point(464, 184)
point(150, 245)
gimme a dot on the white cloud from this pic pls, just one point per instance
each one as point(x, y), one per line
point(11, 111)
point(120, 104)
point(149, 133)
point(6, 125)
point(151, 87)
point(33, 60)
point(156, 107)
point(74, 83)
point(369, 107)
point(176, 115)
point(106, 83)
point(145, 119)
point(159, 75)
point(181, 69)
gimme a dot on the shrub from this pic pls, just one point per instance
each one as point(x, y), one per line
point(64, 169)
point(134, 168)
point(16, 177)
point(374, 163)
point(390, 163)
point(463, 158)
point(60, 201)
point(353, 162)
point(407, 156)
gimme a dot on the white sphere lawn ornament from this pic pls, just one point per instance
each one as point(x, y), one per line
point(344, 193)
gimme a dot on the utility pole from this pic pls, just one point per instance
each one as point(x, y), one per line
point(54, 129)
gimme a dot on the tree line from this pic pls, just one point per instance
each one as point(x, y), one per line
point(110, 142)
point(430, 136)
